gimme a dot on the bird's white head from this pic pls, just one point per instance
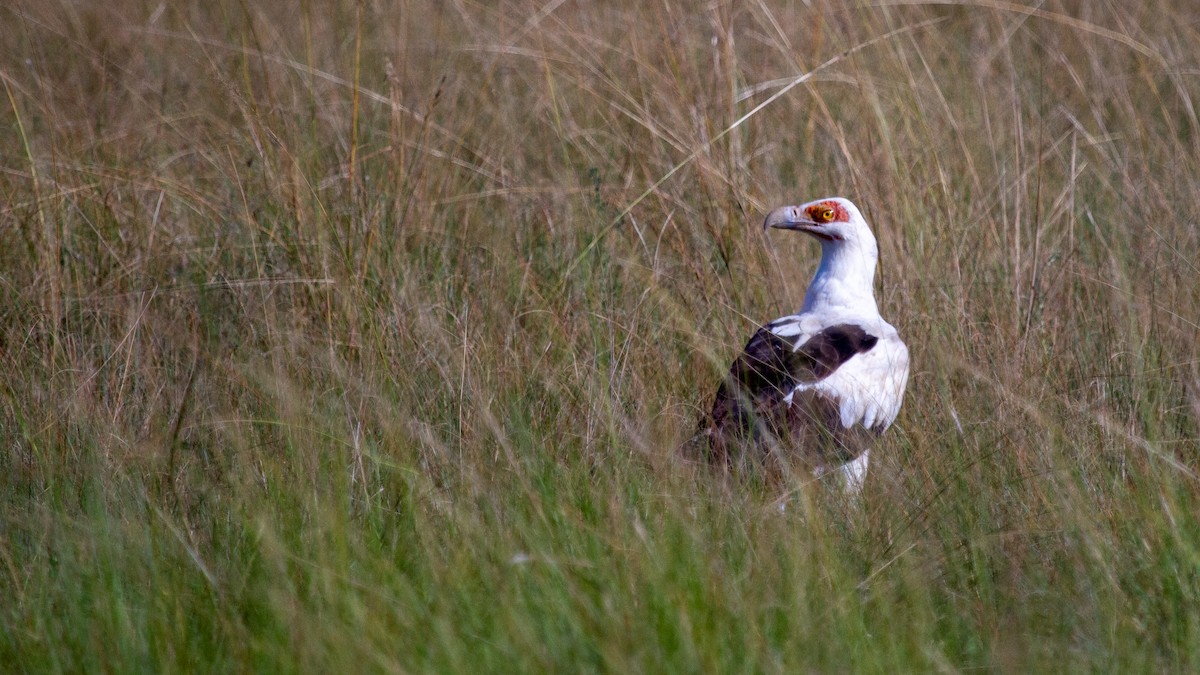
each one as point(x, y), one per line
point(832, 220)
point(848, 249)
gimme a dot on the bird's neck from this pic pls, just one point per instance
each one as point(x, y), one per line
point(845, 279)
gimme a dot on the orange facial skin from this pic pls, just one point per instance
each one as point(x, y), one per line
point(827, 212)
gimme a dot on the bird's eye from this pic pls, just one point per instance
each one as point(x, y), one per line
point(825, 214)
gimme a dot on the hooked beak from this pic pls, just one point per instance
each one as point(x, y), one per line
point(789, 218)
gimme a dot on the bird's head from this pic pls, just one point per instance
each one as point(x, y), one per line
point(832, 220)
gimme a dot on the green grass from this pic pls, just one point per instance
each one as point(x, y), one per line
point(345, 337)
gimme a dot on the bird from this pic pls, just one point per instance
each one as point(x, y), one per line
point(813, 390)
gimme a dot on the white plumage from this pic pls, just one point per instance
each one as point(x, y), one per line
point(819, 384)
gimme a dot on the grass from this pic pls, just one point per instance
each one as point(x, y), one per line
point(363, 336)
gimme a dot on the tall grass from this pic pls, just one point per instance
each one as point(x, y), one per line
point(363, 336)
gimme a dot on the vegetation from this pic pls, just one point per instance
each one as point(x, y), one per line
point(346, 337)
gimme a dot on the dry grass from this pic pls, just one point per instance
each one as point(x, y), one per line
point(362, 335)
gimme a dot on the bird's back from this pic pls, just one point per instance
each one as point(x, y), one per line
point(809, 389)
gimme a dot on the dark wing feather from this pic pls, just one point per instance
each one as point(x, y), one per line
point(749, 403)
point(832, 347)
point(760, 378)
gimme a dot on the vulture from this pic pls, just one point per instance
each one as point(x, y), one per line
point(812, 390)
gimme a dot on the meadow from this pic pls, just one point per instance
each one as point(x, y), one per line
point(364, 336)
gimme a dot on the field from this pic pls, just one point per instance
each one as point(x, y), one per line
point(364, 336)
